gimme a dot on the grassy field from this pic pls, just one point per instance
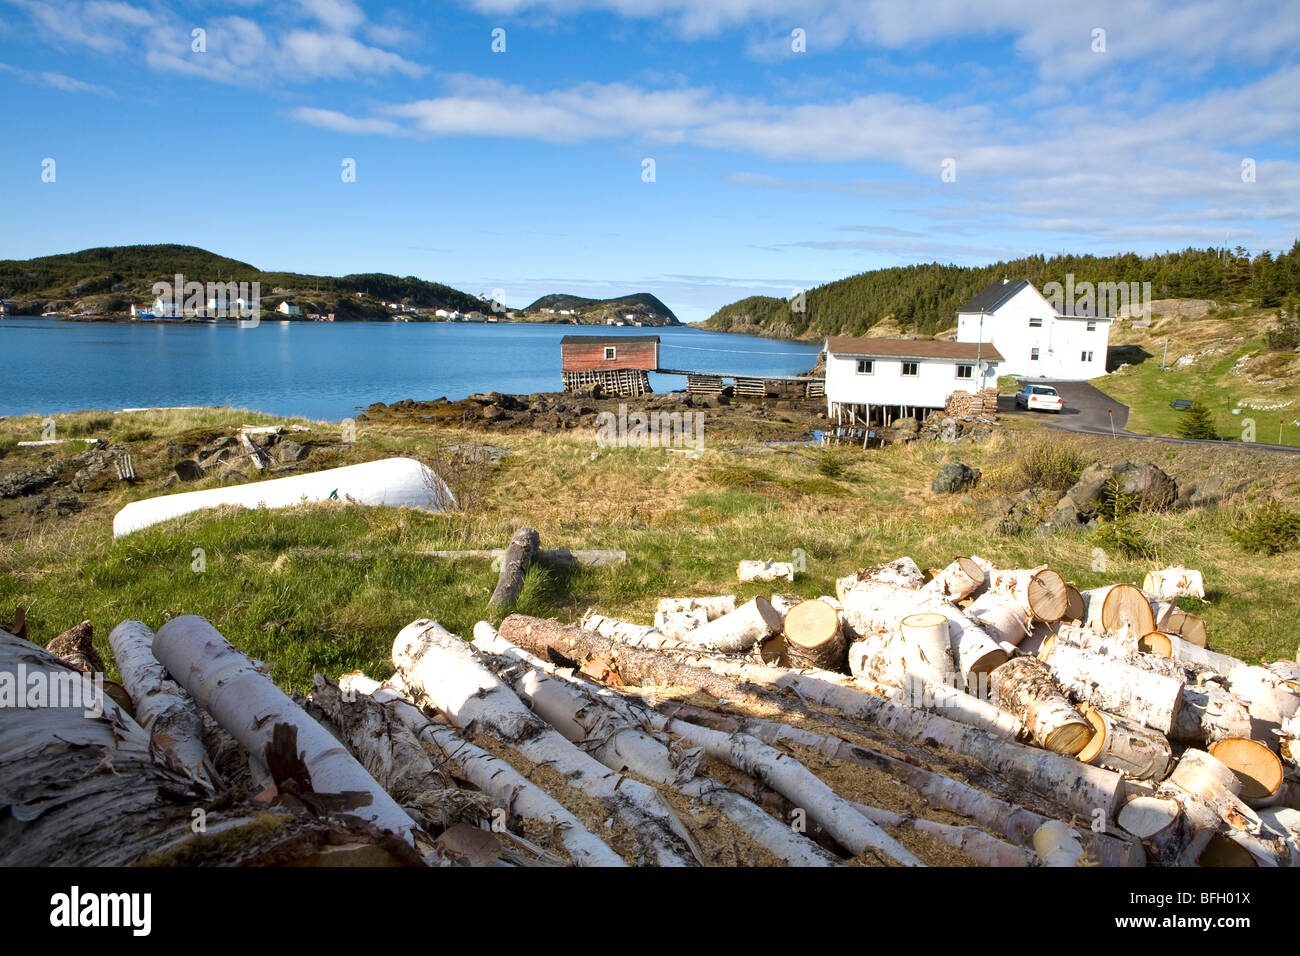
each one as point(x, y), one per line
point(684, 522)
point(1230, 367)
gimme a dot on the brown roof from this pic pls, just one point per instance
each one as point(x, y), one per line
point(588, 339)
point(911, 348)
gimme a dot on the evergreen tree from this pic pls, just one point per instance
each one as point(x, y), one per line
point(1197, 422)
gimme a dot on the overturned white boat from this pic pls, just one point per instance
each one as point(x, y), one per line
point(389, 482)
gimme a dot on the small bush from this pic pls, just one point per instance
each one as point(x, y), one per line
point(1117, 504)
point(831, 465)
point(1124, 537)
point(136, 434)
point(1270, 529)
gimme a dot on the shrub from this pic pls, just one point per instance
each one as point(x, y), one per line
point(1270, 529)
point(1197, 422)
point(831, 465)
point(1053, 465)
point(89, 426)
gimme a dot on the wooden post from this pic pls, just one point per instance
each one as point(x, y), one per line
point(523, 546)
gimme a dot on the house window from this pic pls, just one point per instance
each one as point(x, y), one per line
point(610, 353)
point(1035, 323)
point(1092, 326)
point(1033, 355)
point(866, 367)
point(1085, 357)
point(965, 371)
point(910, 368)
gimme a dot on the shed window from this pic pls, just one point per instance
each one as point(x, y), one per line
point(1092, 326)
point(910, 368)
point(611, 353)
point(1036, 323)
point(866, 367)
point(965, 371)
point(1033, 355)
point(1085, 357)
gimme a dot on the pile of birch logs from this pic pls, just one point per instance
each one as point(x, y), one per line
point(968, 715)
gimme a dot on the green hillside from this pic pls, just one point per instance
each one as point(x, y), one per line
point(106, 281)
point(643, 305)
point(924, 298)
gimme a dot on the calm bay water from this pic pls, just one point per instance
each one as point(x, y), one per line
point(323, 370)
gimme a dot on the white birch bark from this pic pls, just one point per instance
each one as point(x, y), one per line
point(749, 571)
point(510, 789)
point(714, 606)
point(248, 705)
point(444, 670)
point(957, 581)
point(161, 707)
point(611, 727)
point(1114, 685)
point(738, 631)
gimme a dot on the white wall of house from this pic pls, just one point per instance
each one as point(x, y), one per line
point(1067, 347)
point(885, 384)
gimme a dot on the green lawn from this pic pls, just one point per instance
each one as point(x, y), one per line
point(685, 524)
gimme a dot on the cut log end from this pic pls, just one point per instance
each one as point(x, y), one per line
point(1257, 767)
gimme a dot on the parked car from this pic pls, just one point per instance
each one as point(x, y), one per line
point(1039, 398)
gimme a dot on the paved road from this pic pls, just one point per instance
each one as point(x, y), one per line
point(1086, 411)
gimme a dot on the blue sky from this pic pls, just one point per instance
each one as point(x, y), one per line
point(522, 170)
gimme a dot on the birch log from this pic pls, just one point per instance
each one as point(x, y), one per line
point(748, 571)
point(1272, 699)
point(1057, 778)
point(1003, 619)
point(972, 841)
point(514, 566)
point(1168, 835)
point(1040, 592)
point(1120, 607)
point(1199, 773)
point(444, 670)
point(1210, 713)
point(1025, 687)
point(1016, 823)
point(248, 705)
point(513, 792)
point(1056, 845)
point(714, 606)
point(1258, 769)
point(794, 781)
point(396, 759)
point(1173, 583)
point(1119, 744)
point(738, 631)
point(957, 581)
point(926, 648)
point(629, 634)
point(783, 602)
point(901, 572)
point(81, 787)
point(161, 707)
point(814, 636)
point(678, 625)
point(611, 729)
point(1114, 685)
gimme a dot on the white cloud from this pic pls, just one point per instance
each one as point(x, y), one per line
point(341, 123)
point(333, 54)
point(57, 81)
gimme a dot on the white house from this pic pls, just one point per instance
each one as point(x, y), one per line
point(1036, 338)
point(289, 309)
point(900, 376)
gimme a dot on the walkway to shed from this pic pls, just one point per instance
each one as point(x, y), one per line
point(756, 386)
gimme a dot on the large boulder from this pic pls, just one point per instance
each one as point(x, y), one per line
point(954, 478)
point(1154, 489)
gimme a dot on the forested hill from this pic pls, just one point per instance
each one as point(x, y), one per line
point(925, 298)
point(107, 280)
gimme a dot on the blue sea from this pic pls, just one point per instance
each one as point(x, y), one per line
point(324, 371)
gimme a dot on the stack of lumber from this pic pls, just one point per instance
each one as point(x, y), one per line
point(982, 404)
point(900, 722)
